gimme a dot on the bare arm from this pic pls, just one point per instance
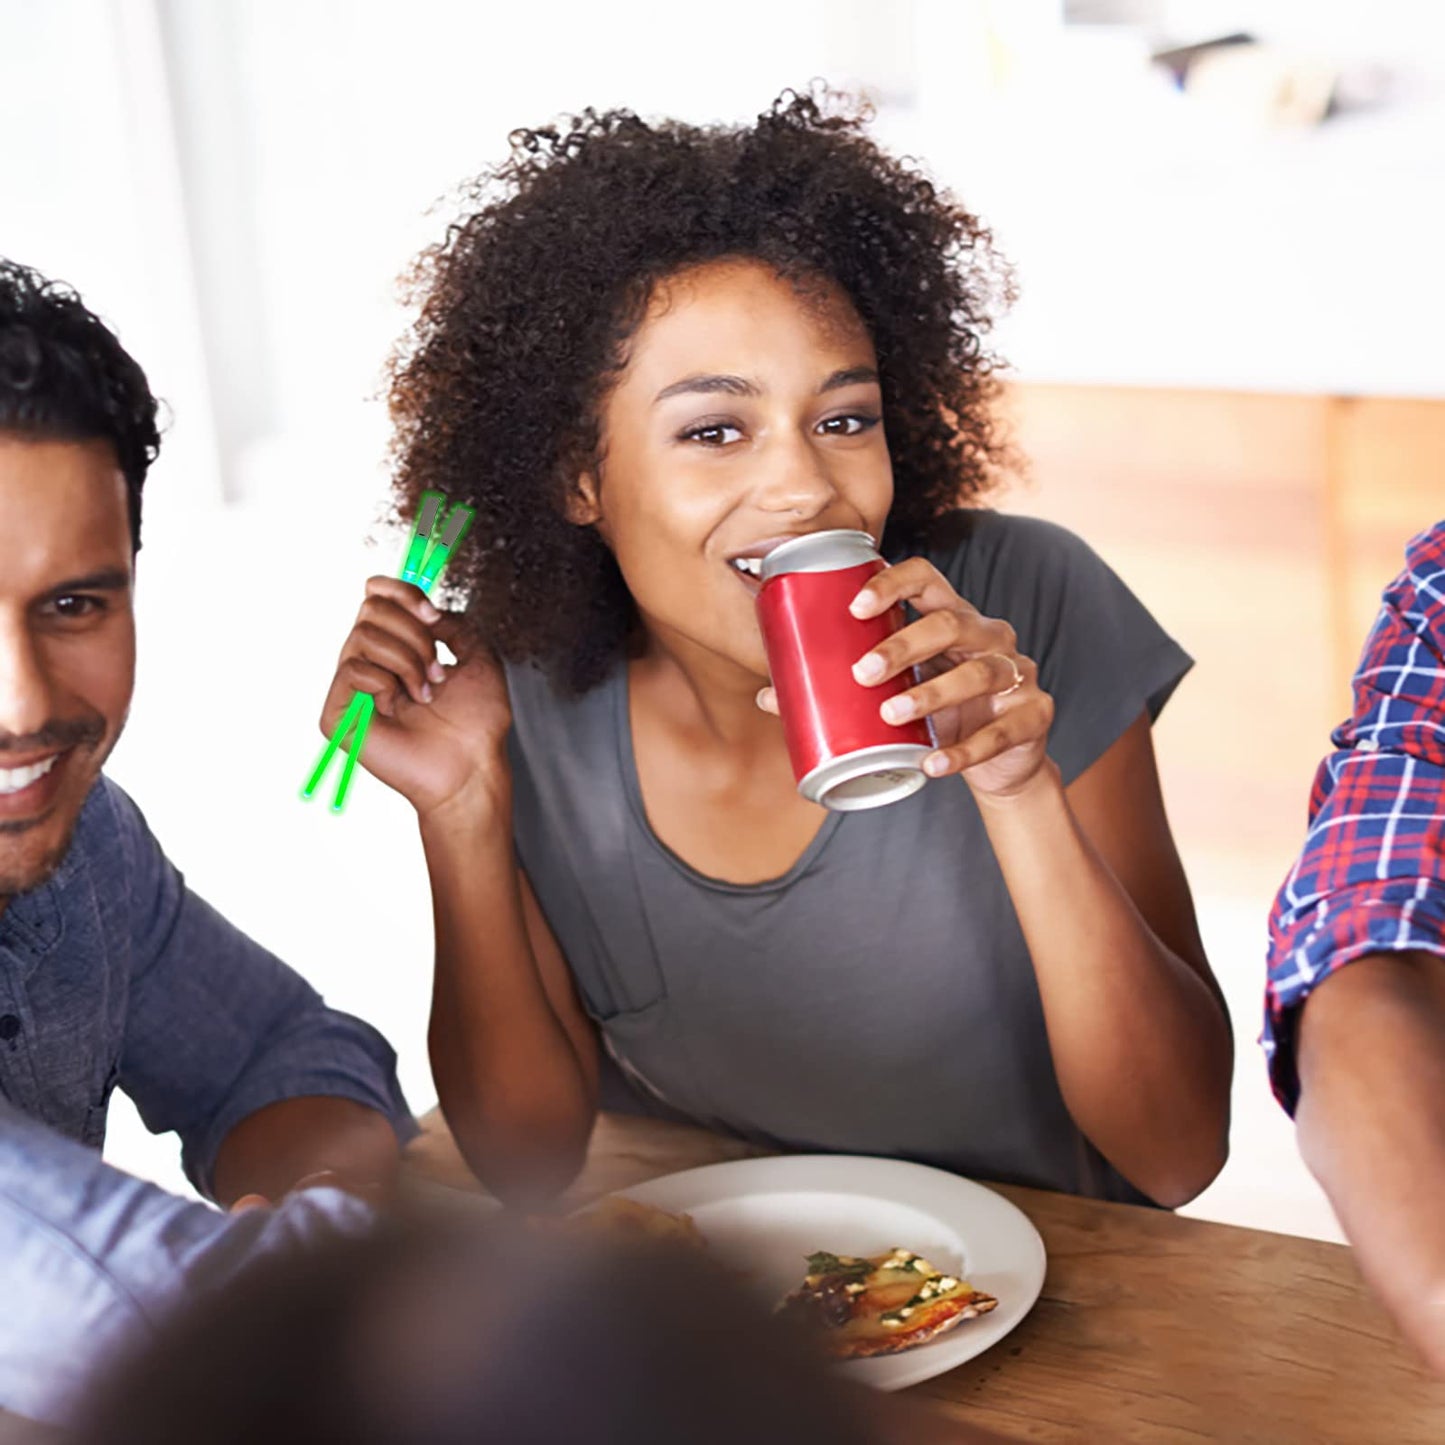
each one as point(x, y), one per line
point(271, 1151)
point(514, 1056)
point(1139, 1034)
point(1372, 1127)
point(1138, 1030)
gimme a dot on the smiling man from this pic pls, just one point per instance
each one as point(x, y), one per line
point(112, 973)
point(67, 641)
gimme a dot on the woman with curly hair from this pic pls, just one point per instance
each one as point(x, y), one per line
point(652, 351)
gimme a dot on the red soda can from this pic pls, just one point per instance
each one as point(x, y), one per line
point(844, 755)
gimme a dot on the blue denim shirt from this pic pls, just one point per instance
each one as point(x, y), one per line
point(91, 1259)
point(114, 974)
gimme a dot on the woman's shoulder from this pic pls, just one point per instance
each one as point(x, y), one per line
point(998, 560)
point(548, 719)
point(1101, 654)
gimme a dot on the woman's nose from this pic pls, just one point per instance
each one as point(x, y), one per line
point(795, 480)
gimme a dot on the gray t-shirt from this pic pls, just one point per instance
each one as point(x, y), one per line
point(878, 998)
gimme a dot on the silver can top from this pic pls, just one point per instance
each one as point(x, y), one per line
point(867, 777)
point(819, 552)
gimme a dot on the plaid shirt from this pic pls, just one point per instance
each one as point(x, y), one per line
point(1371, 878)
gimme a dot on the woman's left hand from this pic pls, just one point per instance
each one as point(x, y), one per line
point(989, 714)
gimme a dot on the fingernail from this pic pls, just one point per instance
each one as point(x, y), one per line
point(862, 604)
point(429, 612)
point(436, 672)
point(897, 709)
point(426, 692)
point(934, 764)
point(869, 667)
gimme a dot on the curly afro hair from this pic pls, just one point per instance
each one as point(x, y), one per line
point(527, 307)
point(65, 377)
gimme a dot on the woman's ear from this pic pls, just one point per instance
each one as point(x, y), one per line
point(583, 509)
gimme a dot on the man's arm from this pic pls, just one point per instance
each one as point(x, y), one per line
point(270, 1151)
point(237, 1054)
point(1355, 1016)
point(1371, 1117)
point(90, 1257)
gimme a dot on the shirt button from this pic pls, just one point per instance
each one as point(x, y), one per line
point(9, 1028)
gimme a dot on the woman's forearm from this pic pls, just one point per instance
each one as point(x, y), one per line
point(1141, 1046)
point(1372, 1127)
point(511, 1086)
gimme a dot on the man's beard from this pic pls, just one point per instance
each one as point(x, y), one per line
point(81, 735)
point(14, 884)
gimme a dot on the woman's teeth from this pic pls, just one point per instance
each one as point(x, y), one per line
point(751, 565)
point(12, 780)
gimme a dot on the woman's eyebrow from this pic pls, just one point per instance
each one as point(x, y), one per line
point(740, 386)
point(733, 385)
point(849, 376)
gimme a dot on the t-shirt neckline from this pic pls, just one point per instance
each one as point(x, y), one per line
point(632, 788)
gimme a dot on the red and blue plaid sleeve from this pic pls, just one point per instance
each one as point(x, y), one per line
point(1371, 878)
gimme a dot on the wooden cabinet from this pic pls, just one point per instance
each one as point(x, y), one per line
point(1387, 482)
point(1260, 530)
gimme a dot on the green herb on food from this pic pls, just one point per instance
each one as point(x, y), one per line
point(823, 1263)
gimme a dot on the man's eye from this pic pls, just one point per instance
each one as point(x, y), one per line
point(77, 606)
point(848, 426)
point(713, 434)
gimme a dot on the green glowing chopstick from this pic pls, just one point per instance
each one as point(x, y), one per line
point(426, 555)
point(353, 751)
point(361, 702)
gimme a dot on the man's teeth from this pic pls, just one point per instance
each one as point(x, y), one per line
point(751, 565)
point(13, 779)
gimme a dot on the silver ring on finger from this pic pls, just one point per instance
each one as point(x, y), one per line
point(1018, 681)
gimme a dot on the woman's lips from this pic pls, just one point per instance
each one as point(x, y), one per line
point(32, 801)
point(753, 584)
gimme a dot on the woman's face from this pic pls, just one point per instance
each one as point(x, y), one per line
point(749, 412)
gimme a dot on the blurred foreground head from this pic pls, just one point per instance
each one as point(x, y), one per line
point(430, 1337)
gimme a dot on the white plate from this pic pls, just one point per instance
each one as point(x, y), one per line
point(764, 1216)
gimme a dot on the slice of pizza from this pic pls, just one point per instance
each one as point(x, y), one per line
point(625, 1219)
point(882, 1305)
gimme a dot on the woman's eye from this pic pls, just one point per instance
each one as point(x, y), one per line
point(848, 426)
point(713, 434)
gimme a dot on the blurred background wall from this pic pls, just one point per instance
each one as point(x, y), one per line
point(1226, 220)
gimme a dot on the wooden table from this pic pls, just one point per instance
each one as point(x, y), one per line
point(16, 1430)
point(1151, 1328)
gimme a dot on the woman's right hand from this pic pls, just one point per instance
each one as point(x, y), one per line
point(438, 735)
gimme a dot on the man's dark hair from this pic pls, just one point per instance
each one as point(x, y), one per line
point(65, 377)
